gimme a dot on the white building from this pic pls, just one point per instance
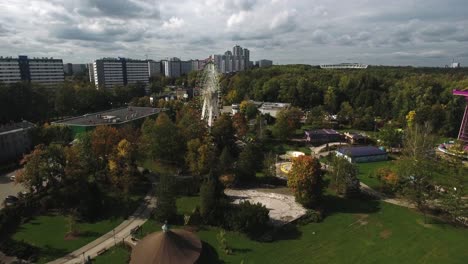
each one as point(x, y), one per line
point(45, 71)
point(9, 70)
point(108, 73)
point(137, 72)
point(344, 66)
point(237, 60)
point(154, 68)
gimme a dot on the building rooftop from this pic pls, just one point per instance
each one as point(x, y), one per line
point(361, 151)
point(108, 117)
point(322, 132)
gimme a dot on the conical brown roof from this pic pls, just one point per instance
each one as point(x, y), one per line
point(170, 247)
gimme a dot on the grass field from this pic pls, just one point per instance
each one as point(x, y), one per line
point(118, 254)
point(47, 232)
point(354, 231)
point(366, 171)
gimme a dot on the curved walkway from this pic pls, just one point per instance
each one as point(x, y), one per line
point(318, 149)
point(118, 234)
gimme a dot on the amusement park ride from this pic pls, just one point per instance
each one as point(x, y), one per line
point(209, 82)
point(463, 134)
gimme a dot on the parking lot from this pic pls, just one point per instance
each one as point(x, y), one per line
point(8, 187)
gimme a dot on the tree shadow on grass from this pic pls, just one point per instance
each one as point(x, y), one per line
point(286, 232)
point(53, 253)
point(89, 234)
point(208, 255)
point(359, 205)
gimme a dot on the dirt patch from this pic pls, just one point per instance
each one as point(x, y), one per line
point(71, 236)
point(385, 234)
point(421, 222)
point(361, 219)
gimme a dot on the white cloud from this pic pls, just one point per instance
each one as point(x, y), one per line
point(173, 23)
point(420, 32)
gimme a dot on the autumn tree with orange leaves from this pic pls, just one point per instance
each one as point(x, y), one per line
point(305, 179)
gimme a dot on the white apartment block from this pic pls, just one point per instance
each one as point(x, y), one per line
point(9, 70)
point(137, 71)
point(108, 73)
point(46, 71)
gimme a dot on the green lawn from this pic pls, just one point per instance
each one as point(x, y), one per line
point(48, 233)
point(366, 171)
point(354, 231)
point(114, 255)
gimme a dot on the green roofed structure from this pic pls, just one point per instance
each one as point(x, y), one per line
point(115, 117)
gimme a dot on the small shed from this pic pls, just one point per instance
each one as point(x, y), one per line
point(362, 154)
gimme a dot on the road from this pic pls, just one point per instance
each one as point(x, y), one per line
point(119, 234)
point(8, 187)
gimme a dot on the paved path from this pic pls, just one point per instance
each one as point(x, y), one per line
point(317, 150)
point(384, 198)
point(9, 187)
point(119, 234)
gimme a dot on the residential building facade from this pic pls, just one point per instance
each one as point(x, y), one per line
point(237, 60)
point(46, 71)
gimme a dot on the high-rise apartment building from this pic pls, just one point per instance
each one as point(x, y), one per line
point(74, 68)
point(111, 72)
point(154, 68)
point(237, 60)
point(264, 63)
point(9, 70)
point(172, 67)
point(45, 71)
point(136, 71)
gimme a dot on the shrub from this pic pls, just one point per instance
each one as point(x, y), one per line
point(20, 249)
point(249, 218)
point(311, 216)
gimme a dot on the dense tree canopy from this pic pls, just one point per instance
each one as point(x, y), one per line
point(386, 92)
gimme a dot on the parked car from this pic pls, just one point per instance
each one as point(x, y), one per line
point(10, 200)
point(13, 177)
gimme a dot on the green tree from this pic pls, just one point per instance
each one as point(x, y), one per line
point(212, 199)
point(416, 166)
point(305, 179)
point(248, 163)
point(269, 165)
point(343, 175)
point(287, 121)
point(226, 161)
point(166, 202)
point(223, 133)
point(162, 140)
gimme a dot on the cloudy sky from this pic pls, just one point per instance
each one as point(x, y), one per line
point(390, 32)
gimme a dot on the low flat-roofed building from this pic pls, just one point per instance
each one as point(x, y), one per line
point(15, 140)
point(113, 117)
point(272, 108)
point(323, 136)
point(355, 138)
point(362, 154)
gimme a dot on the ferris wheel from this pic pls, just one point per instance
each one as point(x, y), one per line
point(209, 82)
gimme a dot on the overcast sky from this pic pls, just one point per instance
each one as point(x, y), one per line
point(389, 32)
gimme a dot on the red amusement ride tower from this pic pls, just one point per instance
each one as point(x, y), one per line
point(463, 134)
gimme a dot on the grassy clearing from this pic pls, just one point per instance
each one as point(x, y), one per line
point(366, 172)
point(48, 232)
point(355, 231)
point(115, 255)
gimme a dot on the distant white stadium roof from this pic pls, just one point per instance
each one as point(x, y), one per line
point(344, 66)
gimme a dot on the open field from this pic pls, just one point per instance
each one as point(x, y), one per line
point(355, 231)
point(48, 232)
